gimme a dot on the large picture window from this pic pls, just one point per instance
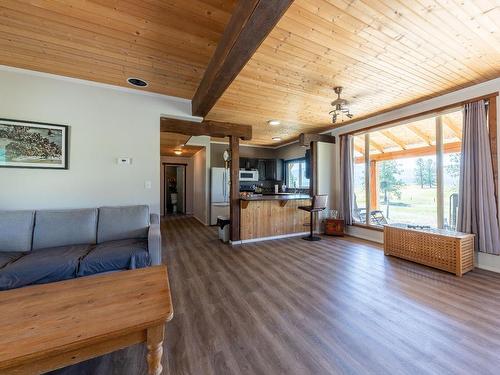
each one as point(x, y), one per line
point(409, 173)
point(295, 173)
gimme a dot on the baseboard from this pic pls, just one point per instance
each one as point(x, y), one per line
point(270, 238)
point(488, 262)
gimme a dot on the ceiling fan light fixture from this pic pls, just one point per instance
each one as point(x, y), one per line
point(276, 138)
point(340, 107)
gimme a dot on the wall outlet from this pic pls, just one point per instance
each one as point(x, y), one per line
point(124, 160)
point(147, 184)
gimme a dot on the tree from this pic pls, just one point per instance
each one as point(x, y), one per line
point(453, 169)
point(430, 173)
point(389, 183)
point(419, 172)
point(425, 172)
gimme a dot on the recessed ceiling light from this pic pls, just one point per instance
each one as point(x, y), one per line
point(276, 138)
point(274, 122)
point(177, 152)
point(137, 82)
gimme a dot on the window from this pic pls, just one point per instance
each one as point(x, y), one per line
point(359, 180)
point(295, 171)
point(411, 172)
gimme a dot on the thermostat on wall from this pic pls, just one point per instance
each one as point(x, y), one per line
point(124, 160)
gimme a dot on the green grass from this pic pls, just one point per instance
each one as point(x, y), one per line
point(415, 206)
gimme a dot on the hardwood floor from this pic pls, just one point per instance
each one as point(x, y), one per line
point(336, 306)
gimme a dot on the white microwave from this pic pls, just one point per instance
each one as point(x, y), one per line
point(249, 175)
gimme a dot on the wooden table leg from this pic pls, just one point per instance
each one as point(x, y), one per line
point(155, 337)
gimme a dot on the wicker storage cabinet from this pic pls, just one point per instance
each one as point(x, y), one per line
point(446, 250)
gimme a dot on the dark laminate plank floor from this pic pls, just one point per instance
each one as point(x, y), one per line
point(337, 306)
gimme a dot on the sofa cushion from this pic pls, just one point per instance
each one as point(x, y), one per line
point(55, 228)
point(43, 266)
point(7, 257)
point(115, 255)
point(120, 223)
point(16, 230)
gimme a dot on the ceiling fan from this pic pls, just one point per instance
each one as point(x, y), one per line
point(340, 107)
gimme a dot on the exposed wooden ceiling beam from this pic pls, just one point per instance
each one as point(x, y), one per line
point(251, 22)
point(306, 139)
point(393, 138)
point(210, 128)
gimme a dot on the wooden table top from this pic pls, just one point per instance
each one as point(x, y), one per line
point(54, 318)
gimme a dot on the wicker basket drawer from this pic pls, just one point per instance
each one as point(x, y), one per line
point(446, 250)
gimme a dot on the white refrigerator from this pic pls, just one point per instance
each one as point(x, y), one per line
point(220, 185)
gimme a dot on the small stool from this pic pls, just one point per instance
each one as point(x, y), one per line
point(318, 205)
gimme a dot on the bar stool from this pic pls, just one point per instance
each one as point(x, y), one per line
point(318, 205)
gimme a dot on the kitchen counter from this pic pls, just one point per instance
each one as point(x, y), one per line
point(275, 197)
point(273, 216)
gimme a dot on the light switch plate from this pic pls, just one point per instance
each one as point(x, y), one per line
point(147, 184)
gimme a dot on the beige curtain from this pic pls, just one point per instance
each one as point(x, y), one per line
point(346, 178)
point(477, 208)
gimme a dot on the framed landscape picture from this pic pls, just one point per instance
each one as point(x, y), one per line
point(25, 144)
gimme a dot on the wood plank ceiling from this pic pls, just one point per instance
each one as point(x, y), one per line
point(167, 43)
point(385, 53)
point(172, 142)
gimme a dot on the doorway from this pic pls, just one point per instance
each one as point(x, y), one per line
point(175, 189)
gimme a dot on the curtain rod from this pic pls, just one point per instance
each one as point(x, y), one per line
point(430, 111)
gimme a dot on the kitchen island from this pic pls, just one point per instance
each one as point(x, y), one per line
point(273, 216)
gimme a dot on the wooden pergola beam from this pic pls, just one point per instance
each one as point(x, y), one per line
point(251, 22)
point(359, 149)
point(210, 128)
point(453, 127)
point(377, 146)
point(414, 152)
point(420, 134)
point(389, 135)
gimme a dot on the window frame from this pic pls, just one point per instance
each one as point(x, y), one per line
point(439, 154)
point(302, 169)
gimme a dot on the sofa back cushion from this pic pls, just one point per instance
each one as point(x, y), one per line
point(16, 230)
point(65, 227)
point(120, 223)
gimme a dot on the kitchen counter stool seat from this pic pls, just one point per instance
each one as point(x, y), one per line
point(318, 205)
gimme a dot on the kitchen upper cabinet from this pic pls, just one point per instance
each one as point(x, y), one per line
point(269, 169)
point(261, 168)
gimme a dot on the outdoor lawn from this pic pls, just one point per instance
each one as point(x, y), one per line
point(410, 200)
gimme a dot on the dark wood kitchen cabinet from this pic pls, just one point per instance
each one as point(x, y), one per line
point(269, 169)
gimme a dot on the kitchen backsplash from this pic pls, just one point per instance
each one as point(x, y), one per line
point(268, 187)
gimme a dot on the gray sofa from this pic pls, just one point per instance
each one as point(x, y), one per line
point(45, 246)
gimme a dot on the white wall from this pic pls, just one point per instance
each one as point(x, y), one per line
point(200, 187)
point(201, 206)
point(105, 123)
point(486, 261)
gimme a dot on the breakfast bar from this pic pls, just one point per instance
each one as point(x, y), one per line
point(273, 216)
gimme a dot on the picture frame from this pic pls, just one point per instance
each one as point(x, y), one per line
point(30, 144)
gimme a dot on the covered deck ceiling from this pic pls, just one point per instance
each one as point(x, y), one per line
point(414, 139)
